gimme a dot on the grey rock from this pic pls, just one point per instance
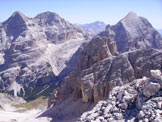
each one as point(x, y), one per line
point(133, 32)
point(93, 81)
point(151, 89)
point(104, 74)
point(95, 27)
point(9, 99)
point(34, 51)
point(127, 109)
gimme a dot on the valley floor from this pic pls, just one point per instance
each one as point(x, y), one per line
point(22, 111)
point(10, 114)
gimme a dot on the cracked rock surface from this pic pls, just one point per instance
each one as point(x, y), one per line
point(129, 103)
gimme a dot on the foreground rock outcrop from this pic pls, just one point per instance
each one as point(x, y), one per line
point(140, 100)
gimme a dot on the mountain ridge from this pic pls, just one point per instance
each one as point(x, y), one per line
point(35, 50)
point(133, 32)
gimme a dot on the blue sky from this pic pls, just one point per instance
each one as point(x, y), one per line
point(86, 11)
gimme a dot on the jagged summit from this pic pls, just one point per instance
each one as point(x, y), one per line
point(17, 13)
point(45, 15)
point(133, 21)
point(16, 24)
point(49, 18)
point(30, 54)
point(131, 14)
point(17, 18)
point(133, 32)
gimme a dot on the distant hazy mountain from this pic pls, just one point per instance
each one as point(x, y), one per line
point(95, 27)
point(133, 32)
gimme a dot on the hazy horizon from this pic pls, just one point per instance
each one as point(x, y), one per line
point(83, 12)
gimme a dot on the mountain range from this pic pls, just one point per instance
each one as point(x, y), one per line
point(34, 51)
point(133, 32)
point(89, 73)
point(112, 60)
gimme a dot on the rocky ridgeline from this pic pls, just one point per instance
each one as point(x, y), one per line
point(34, 51)
point(140, 100)
point(100, 68)
point(133, 32)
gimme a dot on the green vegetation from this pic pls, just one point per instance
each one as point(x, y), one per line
point(38, 103)
point(38, 91)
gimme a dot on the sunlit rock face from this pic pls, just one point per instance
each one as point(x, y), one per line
point(101, 68)
point(112, 77)
point(117, 70)
point(34, 51)
point(133, 32)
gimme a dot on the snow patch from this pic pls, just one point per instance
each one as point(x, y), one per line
point(16, 88)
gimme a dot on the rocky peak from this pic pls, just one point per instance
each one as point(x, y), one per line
point(134, 24)
point(49, 18)
point(18, 22)
point(18, 13)
point(131, 15)
point(36, 49)
point(47, 14)
point(16, 18)
point(133, 32)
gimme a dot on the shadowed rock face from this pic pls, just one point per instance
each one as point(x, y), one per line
point(35, 50)
point(100, 68)
point(133, 32)
point(98, 49)
point(16, 22)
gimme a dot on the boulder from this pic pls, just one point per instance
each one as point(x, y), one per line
point(151, 89)
point(121, 104)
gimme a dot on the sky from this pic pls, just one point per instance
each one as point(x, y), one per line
point(86, 11)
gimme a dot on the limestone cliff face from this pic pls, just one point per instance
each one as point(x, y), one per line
point(133, 32)
point(98, 49)
point(33, 51)
point(100, 68)
point(90, 53)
